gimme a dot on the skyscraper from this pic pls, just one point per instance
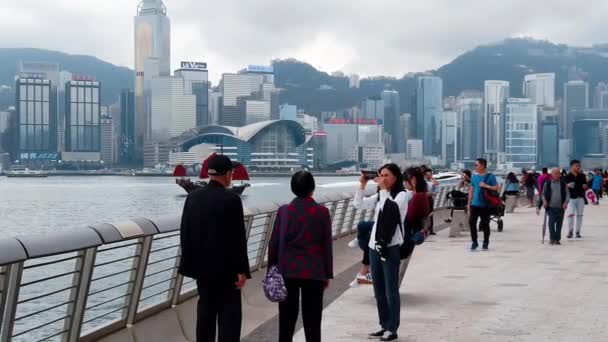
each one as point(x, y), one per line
point(256, 83)
point(106, 134)
point(392, 112)
point(600, 98)
point(127, 126)
point(540, 89)
point(470, 117)
point(429, 103)
point(173, 111)
point(196, 82)
point(521, 133)
point(215, 107)
point(449, 129)
point(373, 108)
point(576, 96)
point(152, 38)
point(82, 120)
point(495, 94)
point(36, 124)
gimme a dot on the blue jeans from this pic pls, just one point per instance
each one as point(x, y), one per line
point(556, 219)
point(364, 233)
point(386, 287)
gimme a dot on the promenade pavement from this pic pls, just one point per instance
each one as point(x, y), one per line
point(520, 290)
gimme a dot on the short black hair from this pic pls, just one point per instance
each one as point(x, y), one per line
point(574, 161)
point(545, 170)
point(467, 172)
point(482, 162)
point(302, 184)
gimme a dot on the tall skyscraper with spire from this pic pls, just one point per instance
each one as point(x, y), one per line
point(152, 29)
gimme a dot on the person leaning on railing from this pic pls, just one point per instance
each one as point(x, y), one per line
point(301, 246)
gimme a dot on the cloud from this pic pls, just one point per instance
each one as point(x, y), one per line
point(387, 37)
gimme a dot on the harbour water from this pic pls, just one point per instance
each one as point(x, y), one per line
point(43, 205)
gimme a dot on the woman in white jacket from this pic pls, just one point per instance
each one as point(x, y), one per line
point(385, 268)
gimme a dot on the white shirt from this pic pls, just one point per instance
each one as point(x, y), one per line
point(402, 199)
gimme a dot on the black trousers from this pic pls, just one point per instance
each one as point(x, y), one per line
point(483, 214)
point(219, 305)
point(312, 309)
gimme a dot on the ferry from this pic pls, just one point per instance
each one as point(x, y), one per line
point(448, 178)
point(26, 174)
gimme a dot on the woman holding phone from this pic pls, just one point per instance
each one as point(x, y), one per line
point(384, 254)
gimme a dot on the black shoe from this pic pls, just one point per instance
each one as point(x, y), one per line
point(388, 336)
point(448, 220)
point(569, 236)
point(552, 243)
point(474, 246)
point(377, 334)
point(558, 243)
point(578, 235)
point(432, 233)
point(485, 245)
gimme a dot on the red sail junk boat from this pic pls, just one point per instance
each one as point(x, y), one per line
point(239, 173)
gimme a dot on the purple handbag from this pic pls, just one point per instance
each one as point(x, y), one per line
point(273, 282)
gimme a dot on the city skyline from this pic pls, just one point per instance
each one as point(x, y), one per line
point(331, 41)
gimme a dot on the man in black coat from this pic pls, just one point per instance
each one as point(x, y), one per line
point(214, 252)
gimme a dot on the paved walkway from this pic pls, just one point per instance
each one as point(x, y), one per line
point(520, 290)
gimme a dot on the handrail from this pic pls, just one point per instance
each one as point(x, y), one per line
point(80, 297)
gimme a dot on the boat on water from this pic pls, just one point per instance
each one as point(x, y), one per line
point(448, 178)
point(239, 173)
point(26, 174)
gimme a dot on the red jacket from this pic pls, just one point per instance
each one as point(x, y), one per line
point(307, 252)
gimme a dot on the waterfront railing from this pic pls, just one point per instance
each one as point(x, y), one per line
point(83, 284)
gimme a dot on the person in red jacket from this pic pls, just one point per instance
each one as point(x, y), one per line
point(418, 208)
point(305, 259)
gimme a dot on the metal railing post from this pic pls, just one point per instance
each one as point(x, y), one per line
point(137, 276)
point(341, 216)
point(178, 280)
point(11, 294)
point(83, 273)
point(268, 230)
point(351, 217)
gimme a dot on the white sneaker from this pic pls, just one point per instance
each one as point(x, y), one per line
point(354, 243)
point(354, 284)
point(364, 279)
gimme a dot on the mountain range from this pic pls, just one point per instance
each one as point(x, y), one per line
point(315, 91)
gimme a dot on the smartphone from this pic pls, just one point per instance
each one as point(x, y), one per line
point(369, 174)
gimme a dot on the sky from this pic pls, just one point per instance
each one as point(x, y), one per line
point(372, 37)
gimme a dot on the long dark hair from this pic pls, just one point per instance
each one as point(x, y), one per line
point(415, 173)
point(396, 171)
point(511, 177)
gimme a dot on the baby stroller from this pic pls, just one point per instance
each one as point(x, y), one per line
point(459, 201)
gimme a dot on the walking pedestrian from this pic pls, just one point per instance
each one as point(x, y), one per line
point(511, 185)
point(596, 185)
point(577, 185)
point(390, 205)
point(542, 179)
point(478, 207)
point(432, 186)
point(529, 183)
point(301, 247)
point(555, 199)
point(214, 252)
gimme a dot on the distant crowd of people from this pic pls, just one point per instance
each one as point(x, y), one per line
point(214, 243)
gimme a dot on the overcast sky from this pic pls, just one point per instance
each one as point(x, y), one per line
point(371, 37)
